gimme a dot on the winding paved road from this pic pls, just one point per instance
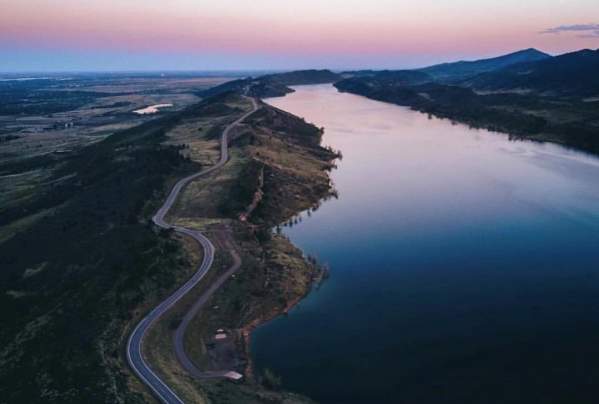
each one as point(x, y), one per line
point(134, 344)
point(179, 337)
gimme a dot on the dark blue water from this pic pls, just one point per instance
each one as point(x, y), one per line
point(464, 266)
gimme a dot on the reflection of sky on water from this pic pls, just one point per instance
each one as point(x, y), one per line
point(456, 247)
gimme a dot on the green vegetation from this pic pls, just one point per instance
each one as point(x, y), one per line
point(224, 392)
point(71, 277)
point(552, 102)
point(271, 380)
point(293, 166)
point(274, 276)
point(54, 116)
point(81, 262)
point(452, 72)
point(569, 75)
point(277, 168)
point(273, 85)
point(299, 77)
point(31, 97)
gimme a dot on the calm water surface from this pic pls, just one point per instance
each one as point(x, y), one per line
point(464, 266)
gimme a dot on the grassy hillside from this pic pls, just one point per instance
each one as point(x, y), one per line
point(277, 168)
point(81, 261)
point(84, 257)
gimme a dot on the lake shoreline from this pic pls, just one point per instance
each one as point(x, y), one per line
point(517, 124)
point(277, 168)
point(507, 221)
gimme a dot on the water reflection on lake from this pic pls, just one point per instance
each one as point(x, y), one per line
point(464, 266)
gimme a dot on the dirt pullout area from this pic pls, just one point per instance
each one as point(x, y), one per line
point(277, 169)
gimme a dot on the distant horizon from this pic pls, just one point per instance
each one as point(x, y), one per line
point(149, 35)
point(236, 72)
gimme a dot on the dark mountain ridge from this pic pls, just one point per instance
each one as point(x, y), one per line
point(570, 74)
point(299, 77)
point(453, 72)
point(554, 99)
point(463, 69)
point(273, 85)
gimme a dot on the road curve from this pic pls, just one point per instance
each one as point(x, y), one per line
point(179, 337)
point(134, 344)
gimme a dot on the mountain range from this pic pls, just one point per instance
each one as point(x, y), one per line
point(459, 70)
point(527, 94)
point(570, 74)
point(574, 74)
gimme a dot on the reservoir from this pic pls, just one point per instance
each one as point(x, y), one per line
point(152, 109)
point(464, 266)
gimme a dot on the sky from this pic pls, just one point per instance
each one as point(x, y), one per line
point(67, 35)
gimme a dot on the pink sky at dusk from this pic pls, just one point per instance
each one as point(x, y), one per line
point(263, 34)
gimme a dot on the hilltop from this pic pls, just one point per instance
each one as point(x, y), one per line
point(463, 69)
point(571, 74)
point(273, 85)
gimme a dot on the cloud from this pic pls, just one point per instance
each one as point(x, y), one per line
point(593, 34)
point(584, 30)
